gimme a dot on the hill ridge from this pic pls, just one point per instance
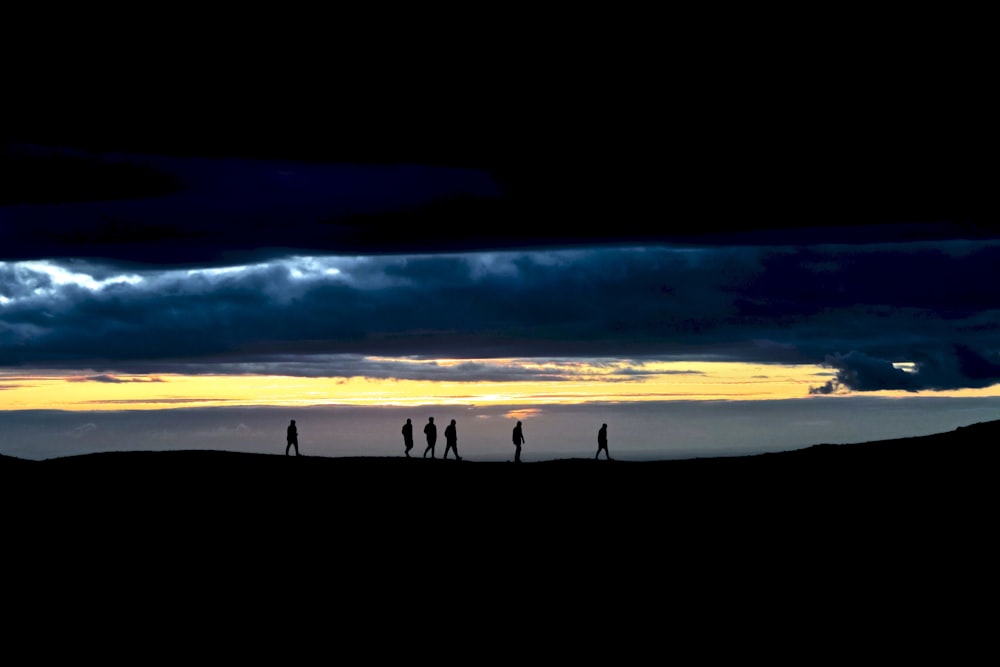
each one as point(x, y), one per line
point(971, 439)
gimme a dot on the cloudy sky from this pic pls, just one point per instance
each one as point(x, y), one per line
point(704, 282)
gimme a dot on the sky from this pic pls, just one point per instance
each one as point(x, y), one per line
point(704, 284)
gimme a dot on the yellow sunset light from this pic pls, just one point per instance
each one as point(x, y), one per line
point(571, 382)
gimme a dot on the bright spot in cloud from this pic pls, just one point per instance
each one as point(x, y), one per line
point(59, 276)
point(523, 414)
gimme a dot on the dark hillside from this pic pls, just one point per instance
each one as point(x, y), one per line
point(884, 532)
point(908, 472)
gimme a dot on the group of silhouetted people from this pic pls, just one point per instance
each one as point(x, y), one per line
point(430, 432)
point(451, 439)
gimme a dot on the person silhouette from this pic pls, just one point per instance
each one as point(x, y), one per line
point(293, 438)
point(451, 440)
point(602, 442)
point(431, 431)
point(518, 440)
point(407, 437)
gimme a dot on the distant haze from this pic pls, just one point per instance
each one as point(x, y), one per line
point(666, 430)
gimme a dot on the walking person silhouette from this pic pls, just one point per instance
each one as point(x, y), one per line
point(518, 440)
point(292, 438)
point(431, 431)
point(451, 440)
point(602, 442)
point(407, 437)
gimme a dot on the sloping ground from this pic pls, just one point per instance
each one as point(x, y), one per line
point(833, 545)
point(910, 477)
point(976, 439)
point(933, 461)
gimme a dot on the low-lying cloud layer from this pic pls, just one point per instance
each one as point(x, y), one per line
point(861, 310)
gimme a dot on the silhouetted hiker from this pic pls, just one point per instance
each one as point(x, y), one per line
point(407, 437)
point(518, 439)
point(293, 439)
point(602, 442)
point(431, 431)
point(451, 440)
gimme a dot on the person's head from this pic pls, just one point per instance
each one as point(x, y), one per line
point(293, 421)
point(604, 425)
point(430, 419)
point(518, 423)
point(407, 420)
point(452, 422)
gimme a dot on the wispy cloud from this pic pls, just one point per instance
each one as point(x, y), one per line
point(154, 401)
point(82, 431)
point(524, 413)
point(111, 379)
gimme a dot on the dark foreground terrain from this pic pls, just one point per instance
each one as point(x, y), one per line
point(843, 546)
point(938, 481)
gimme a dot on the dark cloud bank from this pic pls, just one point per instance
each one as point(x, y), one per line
point(857, 310)
point(750, 215)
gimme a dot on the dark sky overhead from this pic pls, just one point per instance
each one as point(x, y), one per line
point(779, 208)
point(721, 135)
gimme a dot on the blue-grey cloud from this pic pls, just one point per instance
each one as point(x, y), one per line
point(858, 309)
point(951, 367)
point(860, 372)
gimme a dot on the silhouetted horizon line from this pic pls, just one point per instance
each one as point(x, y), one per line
point(985, 430)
